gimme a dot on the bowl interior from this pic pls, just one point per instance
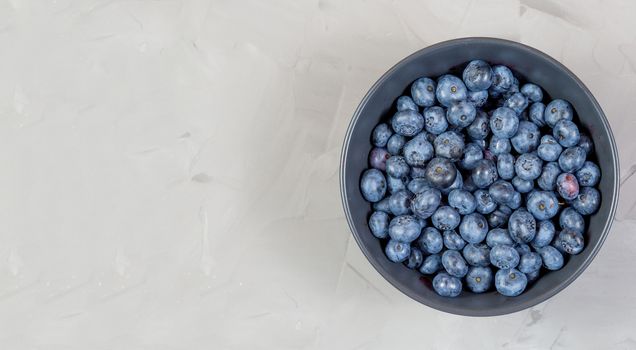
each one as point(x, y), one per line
point(529, 65)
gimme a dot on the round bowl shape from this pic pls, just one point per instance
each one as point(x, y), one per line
point(528, 64)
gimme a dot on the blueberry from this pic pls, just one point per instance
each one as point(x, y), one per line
point(435, 120)
point(407, 123)
point(447, 285)
point(545, 234)
point(506, 166)
point(504, 122)
point(454, 263)
point(500, 216)
point(381, 135)
point(431, 264)
point(423, 92)
point(397, 251)
point(572, 159)
point(552, 258)
point(446, 218)
point(570, 241)
point(461, 114)
point(449, 145)
point(463, 201)
point(499, 146)
point(517, 102)
point(473, 228)
point(566, 133)
point(557, 110)
point(527, 138)
point(504, 256)
point(535, 113)
point(397, 167)
point(400, 202)
point(452, 240)
point(571, 219)
point(395, 144)
point(472, 155)
point(498, 236)
point(530, 262)
point(549, 149)
point(418, 151)
point(450, 89)
point(478, 98)
point(502, 80)
point(543, 205)
point(484, 174)
point(586, 143)
point(373, 185)
point(515, 202)
point(379, 224)
point(477, 75)
point(589, 174)
point(501, 191)
point(479, 129)
point(521, 185)
point(588, 201)
point(415, 259)
point(378, 157)
point(533, 92)
point(547, 180)
point(510, 282)
point(441, 173)
point(396, 184)
point(406, 103)
point(479, 279)
point(383, 205)
point(522, 226)
point(477, 254)
point(418, 185)
point(431, 241)
point(527, 166)
point(522, 248)
point(404, 228)
point(485, 203)
point(426, 202)
point(567, 186)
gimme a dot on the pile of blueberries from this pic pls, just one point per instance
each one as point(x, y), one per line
point(478, 182)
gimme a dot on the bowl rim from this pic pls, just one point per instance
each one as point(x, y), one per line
point(448, 307)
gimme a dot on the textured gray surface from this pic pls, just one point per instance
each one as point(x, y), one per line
point(170, 174)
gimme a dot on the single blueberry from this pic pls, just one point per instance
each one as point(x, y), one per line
point(450, 89)
point(431, 264)
point(479, 129)
point(566, 133)
point(557, 110)
point(400, 202)
point(502, 80)
point(501, 191)
point(397, 167)
point(498, 146)
point(498, 236)
point(527, 138)
point(569, 241)
point(447, 285)
point(461, 114)
point(462, 200)
point(552, 258)
point(500, 216)
point(521, 185)
point(407, 123)
point(517, 102)
point(527, 166)
point(426, 202)
point(477, 254)
point(510, 282)
point(504, 122)
point(396, 184)
point(506, 166)
point(522, 248)
point(378, 157)
point(452, 240)
point(406, 103)
point(479, 279)
point(446, 218)
point(397, 251)
point(418, 151)
point(545, 234)
point(549, 149)
point(431, 241)
point(515, 202)
point(383, 205)
point(404, 228)
point(586, 143)
point(472, 155)
point(415, 259)
point(588, 201)
point(373, 185)
point(504, 256)
point(381, 135)
point(473, 228)
point(522, 226)
point(571, 219)
point(478, 98)
point(572, 159)
point(395, 144)
point(547, 180)
point(485, 203)
point(543, 205)
point(423, 92)
point(449, 145)
point(589, 174)
point(567, 186)
point(454, 263)
point(379, 224)
point(530, 262)
point(441, 173)
point(532, 91)
point(477, 75)
point(535, 113)
point(435, 120)
point(484, 174)
point(418, 185)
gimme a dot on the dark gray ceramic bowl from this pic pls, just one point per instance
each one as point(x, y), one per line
point(530, 65)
